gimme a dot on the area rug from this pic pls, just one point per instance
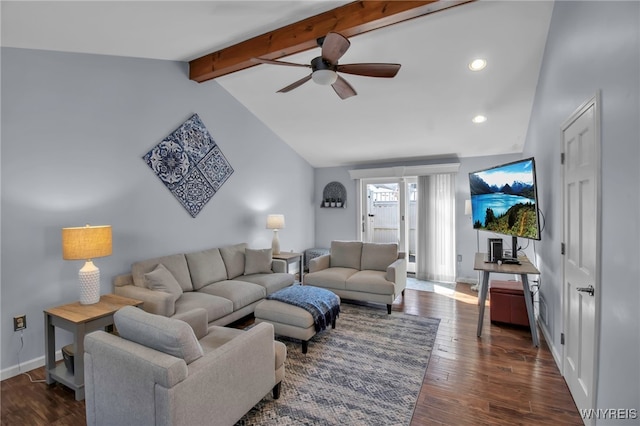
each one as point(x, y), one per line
point(366, 371)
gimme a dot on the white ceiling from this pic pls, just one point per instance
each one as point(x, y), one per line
point(422, 113)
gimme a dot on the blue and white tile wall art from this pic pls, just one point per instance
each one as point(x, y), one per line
point(190, 164)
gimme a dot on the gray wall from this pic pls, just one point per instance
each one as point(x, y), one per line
point(595, 46)
point(74, 129)
point(333, 223)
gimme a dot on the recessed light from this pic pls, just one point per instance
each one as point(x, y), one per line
point(479, 119)
point(477, 64)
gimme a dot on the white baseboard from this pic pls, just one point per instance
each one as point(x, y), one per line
point(552, 348)
point(467, 280)
point(27, 366)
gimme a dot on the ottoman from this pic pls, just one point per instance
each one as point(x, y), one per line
point(289, 320)
point(507, 303)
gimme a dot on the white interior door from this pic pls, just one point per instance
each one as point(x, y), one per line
point(581, 170)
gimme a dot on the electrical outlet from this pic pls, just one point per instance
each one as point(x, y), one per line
point(19, 322)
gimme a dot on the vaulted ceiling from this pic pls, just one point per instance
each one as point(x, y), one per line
point(424, 112)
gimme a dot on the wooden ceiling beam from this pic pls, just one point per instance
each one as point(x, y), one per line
point(349, 20)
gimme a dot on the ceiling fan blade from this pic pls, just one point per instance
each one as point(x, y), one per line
point(343, 89)
point(334, 46)
point(272, 62)
point(370, 70)
point(295, 84)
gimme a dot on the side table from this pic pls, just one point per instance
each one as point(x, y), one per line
point(79, 320)
point(291, 257)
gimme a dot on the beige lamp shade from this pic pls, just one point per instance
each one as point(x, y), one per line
point(87, 242)
point(275, 221)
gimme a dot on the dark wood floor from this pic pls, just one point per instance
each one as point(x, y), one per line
point(498, 379)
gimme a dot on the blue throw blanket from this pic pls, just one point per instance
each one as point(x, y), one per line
point(323, 305)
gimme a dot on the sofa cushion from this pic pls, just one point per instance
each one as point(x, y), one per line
point(206, 267)
point(329, 278)
point(233, 257)
point(218, 336)
point(239, 292)
point(257, 261)
point(216, 307)
point(370, 282)
point(171, 336)
point(272, 282)
point(175, 263)
point(378, 256)
point(160, 279)
point(346, 254)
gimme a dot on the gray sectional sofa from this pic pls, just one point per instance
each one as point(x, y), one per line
point(369, 272)
point(227, 282)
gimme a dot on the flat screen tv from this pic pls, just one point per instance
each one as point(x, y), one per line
point(504, 200)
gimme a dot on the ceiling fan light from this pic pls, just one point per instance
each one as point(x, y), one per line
point(324, 77)
point(477, 64)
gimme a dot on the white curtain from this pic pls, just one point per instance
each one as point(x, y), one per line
point(436, 228)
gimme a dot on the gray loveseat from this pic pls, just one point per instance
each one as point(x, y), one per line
point(369, 272)
point(161, 371)
point(227, 282)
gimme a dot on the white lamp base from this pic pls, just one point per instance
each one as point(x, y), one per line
point(275, 244)
point(89, 284)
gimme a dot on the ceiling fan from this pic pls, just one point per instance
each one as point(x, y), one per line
point(325, 67)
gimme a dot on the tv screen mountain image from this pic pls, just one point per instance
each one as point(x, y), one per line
point(504, 199)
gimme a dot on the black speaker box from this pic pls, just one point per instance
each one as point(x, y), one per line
point(494, 249)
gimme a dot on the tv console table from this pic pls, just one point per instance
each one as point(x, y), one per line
point(523, 269)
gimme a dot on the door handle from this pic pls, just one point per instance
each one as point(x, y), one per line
point(589, 289)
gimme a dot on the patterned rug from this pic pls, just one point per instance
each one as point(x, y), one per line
point(366, 371)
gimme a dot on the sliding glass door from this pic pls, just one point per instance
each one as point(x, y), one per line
point(389, 214)
point(399, 204)
point(382, 213)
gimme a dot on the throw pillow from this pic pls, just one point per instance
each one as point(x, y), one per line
point(161, 279)
point(175, 263)
point(168, 335)
point(257, 261)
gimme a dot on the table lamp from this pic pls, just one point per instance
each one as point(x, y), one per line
point(87, 242)
point(275, 222)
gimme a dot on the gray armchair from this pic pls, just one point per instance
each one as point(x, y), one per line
point(168, 371)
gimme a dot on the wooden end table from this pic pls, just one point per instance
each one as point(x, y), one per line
point(79, 320)
point(291, 257)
